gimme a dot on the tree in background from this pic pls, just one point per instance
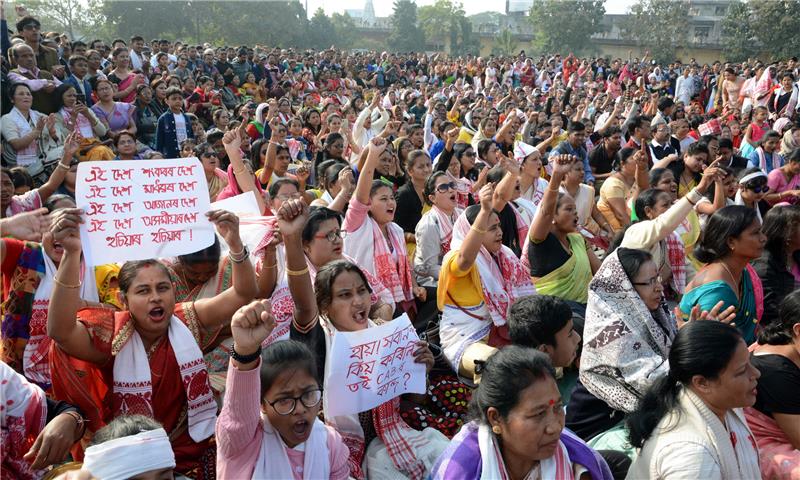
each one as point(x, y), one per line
point(566, 26)
point(739, 38)
point(321, 32)
point(505, 44)
point(345, 30)
point(445, 20)
point(76, 18)
point(662, 26)
point(776, 24)
point(405, 36)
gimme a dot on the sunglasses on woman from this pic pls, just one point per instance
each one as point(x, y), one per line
point(762, 188)
point(444, 187)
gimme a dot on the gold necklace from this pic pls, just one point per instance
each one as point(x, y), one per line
point(733, 279)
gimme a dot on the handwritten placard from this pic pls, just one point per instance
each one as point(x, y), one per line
point(372, 366)
point(140, 209)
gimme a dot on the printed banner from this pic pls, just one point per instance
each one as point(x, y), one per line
point(139, 209)
point(372, 366)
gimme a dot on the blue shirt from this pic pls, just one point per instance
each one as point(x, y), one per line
point(565, 148)
point(755, 161)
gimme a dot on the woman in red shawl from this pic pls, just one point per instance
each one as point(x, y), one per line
point(146, 359)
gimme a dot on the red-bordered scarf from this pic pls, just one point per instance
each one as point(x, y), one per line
point(23, 414)
point(445, 226)
point(133, 386)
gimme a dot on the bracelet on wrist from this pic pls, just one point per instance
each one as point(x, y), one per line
point(249, 358)
point(61, 165)
point(239, 257)
point(65, 285)
point(479, 230)
point(296, 273)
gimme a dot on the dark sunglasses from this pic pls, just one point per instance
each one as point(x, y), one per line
point(763, 188)
point(444, 187)
point(209, 154)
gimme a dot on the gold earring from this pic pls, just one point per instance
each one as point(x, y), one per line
point(496, 430)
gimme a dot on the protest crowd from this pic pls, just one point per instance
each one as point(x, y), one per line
point(589, 266)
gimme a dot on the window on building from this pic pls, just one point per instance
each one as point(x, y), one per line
point(694, 11)
point(702, 33)
point(722, 10)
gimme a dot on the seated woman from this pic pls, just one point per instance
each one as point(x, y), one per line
point(74, 116)
point(458, 162)
point(434, 232)
point(784, 182)
point(146, 115)
point(731, 240)
point(116, 116)
point(217, 179)
point(753, 187)
point(24, 130)
point(37, 431)
point(381, 443)
point(778, 267)
point(377, 243)
point(775, 417)
point(31, 268)
point(337, 185)
point(519, 427)
point(411, 196)
point(655, 231)
point(269, 425)
point(479, 280)
point(560, 259)
point(98, 354)
point(618, 190)
point(687, 171)
point(690, 423)
point(322, 244)
point(531, 185)
point(125, 144)
point(11, 204)
point(591, 223)
point(626, 338)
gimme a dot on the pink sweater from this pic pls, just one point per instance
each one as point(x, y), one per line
point(239, 432)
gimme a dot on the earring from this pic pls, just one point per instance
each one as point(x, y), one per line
point(496, 430)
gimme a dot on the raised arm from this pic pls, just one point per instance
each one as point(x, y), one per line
point(71, 145)
point(376, 147)
point(505, 189)
point(292, 217)
point(547, 208)
point(233, 143)
point(275, 139)
point(217, 311)
point(474, 240)
point(62, 324)
point(347, 187)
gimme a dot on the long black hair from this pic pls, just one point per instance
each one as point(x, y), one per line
point(701, 348)
point(780, 225)
point(779, 331)
point(726, 223)
point(506, 374)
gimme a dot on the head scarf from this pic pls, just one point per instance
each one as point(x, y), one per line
point(522, 150)
point(126, 457)
point(232, 188)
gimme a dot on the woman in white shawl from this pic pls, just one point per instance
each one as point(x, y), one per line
point(382, 445)
point(690, 423)
point(434, 231)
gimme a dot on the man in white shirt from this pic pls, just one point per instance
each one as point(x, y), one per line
point(163, 46)
point(137, 57)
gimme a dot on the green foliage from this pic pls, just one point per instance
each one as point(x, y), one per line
point(79, 19)
point(776, 24)
point(445, 20)
point(566, 26)
point(405, 36)
point(739, 37)
point(321, 32)
point(345, 30)
point(662, 26)
point(505, 44)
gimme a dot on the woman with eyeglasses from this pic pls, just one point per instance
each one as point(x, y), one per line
point(434, 231)
point(216, 178)
point(732, 239)
point(269, 425)
point(381, 443)
point(627, 336)
point(125, 144)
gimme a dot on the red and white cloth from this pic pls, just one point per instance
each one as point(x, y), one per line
point(23, 413)
point(133, 387)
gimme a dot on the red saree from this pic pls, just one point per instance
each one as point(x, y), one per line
point(89, 386)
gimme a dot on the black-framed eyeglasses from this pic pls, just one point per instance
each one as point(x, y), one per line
point(209, 154)
point(444, 187)
point(650, 283)
point(32, 26)
point(333, 235)
point(309, 399)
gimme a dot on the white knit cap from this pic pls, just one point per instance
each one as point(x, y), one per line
point(125, 457)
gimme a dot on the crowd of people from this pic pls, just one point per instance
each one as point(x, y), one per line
point(601, 258)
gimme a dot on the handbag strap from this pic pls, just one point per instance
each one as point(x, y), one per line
point(462, 308)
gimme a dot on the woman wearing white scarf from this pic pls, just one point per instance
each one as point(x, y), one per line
point(784, 99)
point(479, 280)
point(145, 452)
point(268, 427)
point(690, 423)
point(434, 231)
point(381, 444)
point(752, 189)
point(24, 130)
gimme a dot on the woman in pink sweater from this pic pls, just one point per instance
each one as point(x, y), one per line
point(268, 427)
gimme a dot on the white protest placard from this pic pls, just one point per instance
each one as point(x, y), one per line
point(243, 205)
point(372, 366)
point(139, 209)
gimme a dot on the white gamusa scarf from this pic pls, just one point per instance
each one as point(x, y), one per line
point(133, 381)
point(557, 467)
point(126, 457)
point(273, 461)
point(34, 360)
